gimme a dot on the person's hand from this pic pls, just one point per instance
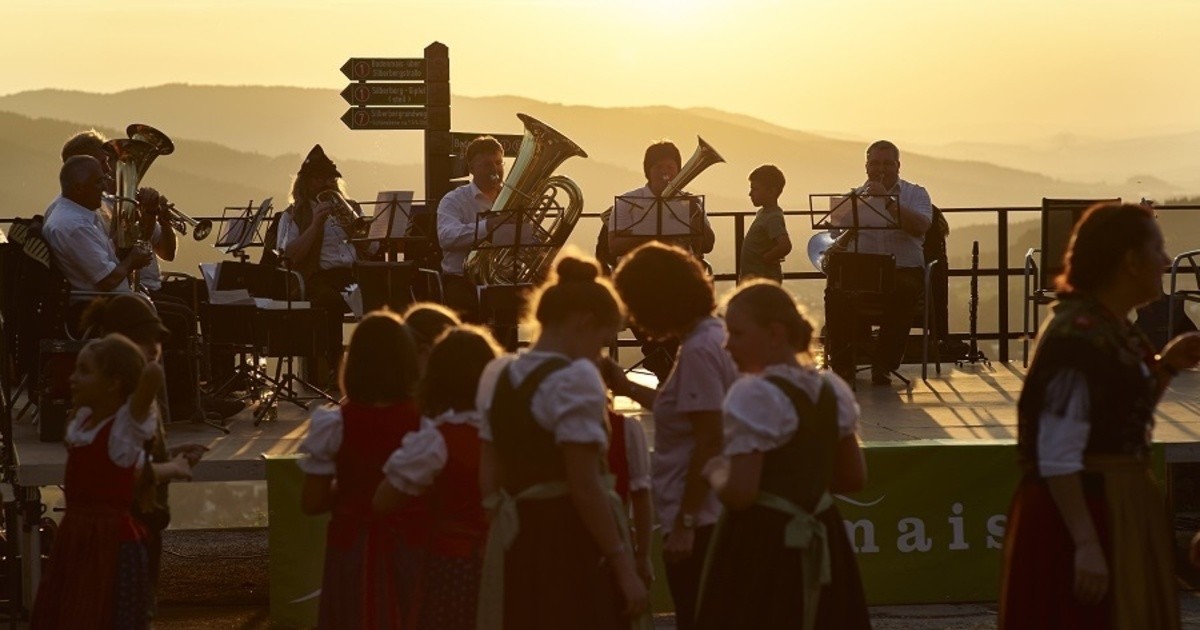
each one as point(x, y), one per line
point(149, 200)
point(875, 187)
point(193, 452)
point(180, 468)
point(1194, 551)
point(716, 471)
point(633, 590)
point(1182, 352)
point(614, 376)
point(139, 256)
point(679, 544)
point(321, 213)
point(1091, 573)
point(645, 567)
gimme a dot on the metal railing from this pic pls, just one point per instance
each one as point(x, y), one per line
point(1003, 271)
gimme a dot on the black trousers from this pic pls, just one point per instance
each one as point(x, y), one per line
point(462, 296)
point(683, 579)
point(180, 364)
point(324, 291)
point(843, 322)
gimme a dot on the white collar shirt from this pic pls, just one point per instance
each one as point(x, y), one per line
point(457, 214)
point(336, 251)
point(82, 249)
point(908, 249)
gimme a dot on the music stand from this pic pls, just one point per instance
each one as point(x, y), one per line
point(518, 230)
point(284, 334)
point(658, 218)
point(853, 211)
point(240, 228)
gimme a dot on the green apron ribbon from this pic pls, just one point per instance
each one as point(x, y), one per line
point(806, 533)
point(503, 531)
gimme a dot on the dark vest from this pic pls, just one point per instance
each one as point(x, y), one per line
point(802, 469)
point(302, 216)
point(528, 453)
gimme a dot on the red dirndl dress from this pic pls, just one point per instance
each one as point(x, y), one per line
point(98, 575)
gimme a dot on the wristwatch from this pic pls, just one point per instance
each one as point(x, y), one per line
point(687, 521)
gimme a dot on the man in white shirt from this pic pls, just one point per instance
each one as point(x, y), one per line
point(457, 214)
point(81, 246)
point(913, 212)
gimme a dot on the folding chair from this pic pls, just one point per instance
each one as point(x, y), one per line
point(1043, 264)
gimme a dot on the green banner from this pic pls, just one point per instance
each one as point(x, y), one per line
point(297, 547)
point(928, 528)
point(930, 524)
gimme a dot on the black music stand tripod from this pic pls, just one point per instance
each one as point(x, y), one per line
point(857, 277)
point(517, 232)
point(284, 340)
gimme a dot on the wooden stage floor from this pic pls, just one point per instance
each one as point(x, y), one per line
point(962, 404)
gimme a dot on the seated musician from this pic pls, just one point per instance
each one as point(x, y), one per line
point(660, 165)
point(456, 222)
point(77, 233)
point(914, 214)
point(83, 250)
point(319, 247)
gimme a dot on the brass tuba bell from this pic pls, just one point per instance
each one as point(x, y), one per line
point(703, 157)
point(530, 186)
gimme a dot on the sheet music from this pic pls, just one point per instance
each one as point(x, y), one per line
point(238, 233)
point(872, 211)
point(506, 234)
point(392, 207)
point(648, 216)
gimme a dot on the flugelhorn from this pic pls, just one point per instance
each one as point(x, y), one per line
point(352, 223)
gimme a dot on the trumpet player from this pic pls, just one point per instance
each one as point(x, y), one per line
point(457, 214)
point(913, 213)
point(81, 245)
point(319, 248)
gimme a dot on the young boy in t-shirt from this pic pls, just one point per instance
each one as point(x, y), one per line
point(767, 240)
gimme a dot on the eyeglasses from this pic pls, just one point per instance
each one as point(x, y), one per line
point(882, 163)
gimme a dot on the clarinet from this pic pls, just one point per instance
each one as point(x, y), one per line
point(974, 355)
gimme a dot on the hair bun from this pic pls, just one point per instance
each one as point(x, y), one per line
point(572, 269)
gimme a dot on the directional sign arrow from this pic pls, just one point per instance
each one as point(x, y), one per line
point(385, 94)
point(383, 69)
point(393, 117)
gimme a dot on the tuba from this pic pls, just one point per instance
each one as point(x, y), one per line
point(131, 160)
point(530, 186)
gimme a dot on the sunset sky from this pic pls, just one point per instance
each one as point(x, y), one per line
point(926, 70)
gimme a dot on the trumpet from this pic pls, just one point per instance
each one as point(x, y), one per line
point(352, 223)
point(180, 222)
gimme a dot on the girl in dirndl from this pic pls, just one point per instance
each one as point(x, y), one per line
point(441, 463)
point(367, 559)
point(558, 552)
point(780, 557)
point(1088, 542)
point(98, 575)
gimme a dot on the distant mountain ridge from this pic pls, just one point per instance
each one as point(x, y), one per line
point(283, 122)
